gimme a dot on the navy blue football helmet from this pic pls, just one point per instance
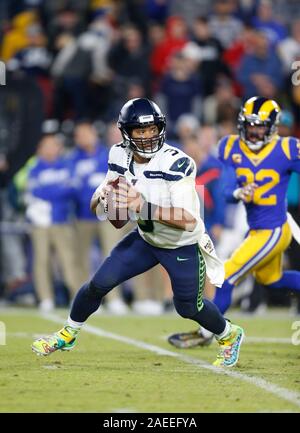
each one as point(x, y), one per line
point(138, 113)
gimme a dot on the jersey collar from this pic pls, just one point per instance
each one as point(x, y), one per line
point(257, 158)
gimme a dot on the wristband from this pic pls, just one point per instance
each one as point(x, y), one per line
point(236, 193)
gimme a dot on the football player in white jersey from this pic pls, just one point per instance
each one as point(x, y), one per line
point(153, 183)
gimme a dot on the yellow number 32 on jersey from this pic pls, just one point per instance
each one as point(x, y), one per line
point(261, 196)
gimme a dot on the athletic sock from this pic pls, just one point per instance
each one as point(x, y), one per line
point(73, 327)
point(226, 331)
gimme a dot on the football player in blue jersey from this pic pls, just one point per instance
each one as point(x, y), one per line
point(257, 165)
point(157, 186)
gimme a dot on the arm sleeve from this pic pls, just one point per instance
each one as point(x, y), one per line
point(218, 213)
point(229, 181)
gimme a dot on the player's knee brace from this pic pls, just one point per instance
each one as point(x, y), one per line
point(186, 309)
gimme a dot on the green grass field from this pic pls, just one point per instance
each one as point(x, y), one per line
point(142, 372)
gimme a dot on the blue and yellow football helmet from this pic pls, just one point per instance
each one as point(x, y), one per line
point(258, 111)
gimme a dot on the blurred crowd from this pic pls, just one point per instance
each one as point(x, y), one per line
point(70, 66)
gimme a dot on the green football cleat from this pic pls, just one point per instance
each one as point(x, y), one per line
point(186, 340)
point(228, 355)
point(65, 339)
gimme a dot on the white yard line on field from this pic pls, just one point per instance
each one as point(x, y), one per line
point(283, 393)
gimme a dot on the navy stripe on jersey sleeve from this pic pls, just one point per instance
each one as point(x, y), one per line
point(117, 168)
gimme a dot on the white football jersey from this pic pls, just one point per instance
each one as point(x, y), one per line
point(167, 180)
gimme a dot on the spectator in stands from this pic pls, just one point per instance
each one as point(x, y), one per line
point(173, 40)
point(287, 10)
point(71, 70)
point(13, 256)
point(157, 10)
point(222, 105)
point(89, 166)
point(79, 61)
point(130, 89)
point(60, 19)
point(267, 23)
point(210, 53)
point(289, 48)
point(128, 59)
point(48, 209)
point(260, 73)
point(246, 10)
point(180, 90)
point(131, 12)
point(187, 126)
point(17, 37)
point(98, 40)
point(188, 10)
point(21, 116)
point(156, 37)
point(34, 59)
point(224, 26)
point(244, 44)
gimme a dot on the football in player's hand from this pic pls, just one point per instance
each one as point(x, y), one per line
point(118, 217)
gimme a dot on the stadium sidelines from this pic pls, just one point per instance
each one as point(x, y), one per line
point(283, 393)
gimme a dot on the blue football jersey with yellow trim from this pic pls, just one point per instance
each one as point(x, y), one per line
point(270, 169)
